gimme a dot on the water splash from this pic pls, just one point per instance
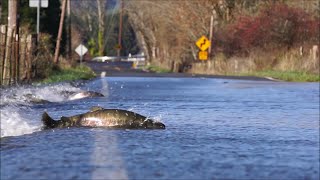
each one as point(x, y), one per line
point(22, 95)
point(17, 116)
point(17, 121)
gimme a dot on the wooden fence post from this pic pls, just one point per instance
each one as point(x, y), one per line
point(34, 51)
point(17, 52)
point(28, 60)
point(23, 57)
point(6, 74)
point(2, 51)
point(12, 59)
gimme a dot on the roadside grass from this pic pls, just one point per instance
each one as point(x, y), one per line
point(158, 69)
point(69, 74)
point(293, 76)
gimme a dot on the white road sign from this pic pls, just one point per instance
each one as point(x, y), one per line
point(35, 3)
point(81, 50)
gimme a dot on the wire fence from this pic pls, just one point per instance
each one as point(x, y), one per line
point(16, 54)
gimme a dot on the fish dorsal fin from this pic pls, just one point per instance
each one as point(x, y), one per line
point(48, 122)
point(95, 108)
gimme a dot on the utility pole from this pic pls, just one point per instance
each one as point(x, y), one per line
point(56, 54)
point(13, 14)
point(211, 35)
point(13, 25)
point(69, 51)
point(120, 30)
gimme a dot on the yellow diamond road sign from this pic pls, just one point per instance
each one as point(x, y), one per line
point(203, 43)
point(203, 55)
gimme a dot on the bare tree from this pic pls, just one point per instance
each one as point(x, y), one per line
point(57, 50)
point(101, 4)
point(167, 30)
point(0, 10)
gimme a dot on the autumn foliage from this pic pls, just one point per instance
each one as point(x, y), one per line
point(277, 25)
point(262, 33)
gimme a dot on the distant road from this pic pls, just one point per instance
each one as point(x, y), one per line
point(124, 69)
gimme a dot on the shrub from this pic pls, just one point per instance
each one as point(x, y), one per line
point(42, 63)
point(277, 25)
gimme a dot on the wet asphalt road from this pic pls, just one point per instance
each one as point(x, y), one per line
point(124, 69)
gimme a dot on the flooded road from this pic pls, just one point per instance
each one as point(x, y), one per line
point(215, 128)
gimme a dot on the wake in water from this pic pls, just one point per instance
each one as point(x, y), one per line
point(17, 121)
point(17, 116)
point(24, 95)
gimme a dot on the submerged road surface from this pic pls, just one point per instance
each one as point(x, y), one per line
point(124, 69)
point(215, 129)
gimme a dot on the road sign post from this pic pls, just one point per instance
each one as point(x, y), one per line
point(38, 4)
point(81, 50)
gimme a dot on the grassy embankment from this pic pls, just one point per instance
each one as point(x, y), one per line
point(69, 74)
point(292, 76)
point(157, 69)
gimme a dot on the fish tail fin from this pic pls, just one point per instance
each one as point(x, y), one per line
point(48, 122)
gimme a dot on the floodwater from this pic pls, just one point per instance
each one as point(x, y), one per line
point(215, 129)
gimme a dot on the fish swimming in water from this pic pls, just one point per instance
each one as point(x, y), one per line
point(80, 95)
point(34, 99)
point(100, 117)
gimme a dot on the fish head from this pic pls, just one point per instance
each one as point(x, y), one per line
point(151, 124)
point(85, 94)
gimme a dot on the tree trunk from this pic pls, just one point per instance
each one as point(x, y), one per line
point(13, 24)
point(101, 17)
point(12, 14)
point(56, 54)
point(69, 49)
point(0, 10)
